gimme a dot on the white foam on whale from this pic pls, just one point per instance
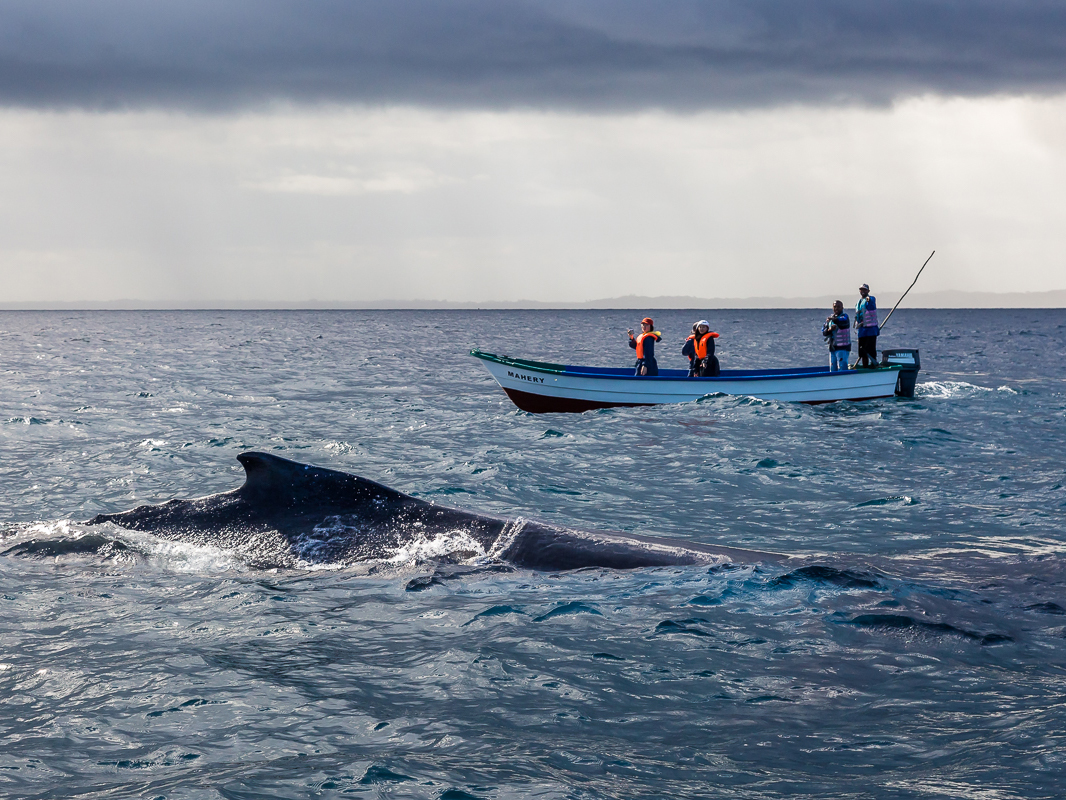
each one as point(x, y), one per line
point(457, 544)
point(506, 539)
point(183, 557)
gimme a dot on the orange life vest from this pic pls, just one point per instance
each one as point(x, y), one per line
point(640, 342)
point(701, 343)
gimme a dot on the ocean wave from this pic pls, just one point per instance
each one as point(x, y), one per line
point(955, 389)
point(900, 622)
point(821, 575)
point(66, 540)
point(61, 541)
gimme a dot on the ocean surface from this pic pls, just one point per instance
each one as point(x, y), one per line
point(914, 647)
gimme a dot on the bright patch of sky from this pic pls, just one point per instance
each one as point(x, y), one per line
point(359, 203)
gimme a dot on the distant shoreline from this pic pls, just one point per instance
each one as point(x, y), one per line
point(886, 299)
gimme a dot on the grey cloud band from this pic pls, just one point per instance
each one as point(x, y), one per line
point(565, 54)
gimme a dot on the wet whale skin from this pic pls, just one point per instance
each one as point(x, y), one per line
point(287, 512)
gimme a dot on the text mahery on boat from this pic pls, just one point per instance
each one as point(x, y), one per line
point(541, 387)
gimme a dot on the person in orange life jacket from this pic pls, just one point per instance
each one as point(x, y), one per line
point(867, 328)
point(837, 331)
point(689, 350)
point(644, 344)
point(704, 362)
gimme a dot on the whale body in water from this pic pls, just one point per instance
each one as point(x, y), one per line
point(289, 514)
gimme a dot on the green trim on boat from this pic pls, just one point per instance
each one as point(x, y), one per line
point(540, 366)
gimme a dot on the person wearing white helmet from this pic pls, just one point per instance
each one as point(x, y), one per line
point(699, 347)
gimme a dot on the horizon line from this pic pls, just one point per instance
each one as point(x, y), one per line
point(1052, 299)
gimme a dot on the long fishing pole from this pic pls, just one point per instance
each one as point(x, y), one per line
point(890, 313)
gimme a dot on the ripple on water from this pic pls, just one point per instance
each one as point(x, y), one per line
point(914, 646)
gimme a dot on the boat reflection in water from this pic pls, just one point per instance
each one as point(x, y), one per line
point(539, 387)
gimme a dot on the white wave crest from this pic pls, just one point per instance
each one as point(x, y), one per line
point(955, 389)
point(134, 546)
point(66, 528)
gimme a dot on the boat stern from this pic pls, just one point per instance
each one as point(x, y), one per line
point(909, 362)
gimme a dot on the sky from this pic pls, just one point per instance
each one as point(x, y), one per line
point(274, 151)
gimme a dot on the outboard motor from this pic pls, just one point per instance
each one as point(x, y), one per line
point(908, 376)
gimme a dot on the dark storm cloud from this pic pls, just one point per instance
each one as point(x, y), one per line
point(550, 54)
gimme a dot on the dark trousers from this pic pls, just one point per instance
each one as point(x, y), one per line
point(708, 367)
point(650, 363)
point(704, 367)
point(867, 351)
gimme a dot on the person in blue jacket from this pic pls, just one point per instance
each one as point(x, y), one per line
point(837, 331)
point(866, 327)
point(644, 344)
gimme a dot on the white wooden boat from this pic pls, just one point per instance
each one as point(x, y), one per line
point(540, 387)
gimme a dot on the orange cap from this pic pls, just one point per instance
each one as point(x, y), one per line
point(647, 320)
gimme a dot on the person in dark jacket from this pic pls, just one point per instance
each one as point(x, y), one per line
point(644, 344)
point(705, 362)
point(689, 350)
point(837, 331)
point(867, 328)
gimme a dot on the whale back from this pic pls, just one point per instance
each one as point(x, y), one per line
point(287, 513)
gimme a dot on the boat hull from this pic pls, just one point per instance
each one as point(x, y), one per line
point(553, 388)
point(547, 404)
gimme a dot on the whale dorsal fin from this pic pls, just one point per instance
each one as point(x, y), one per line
point(272, 477)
